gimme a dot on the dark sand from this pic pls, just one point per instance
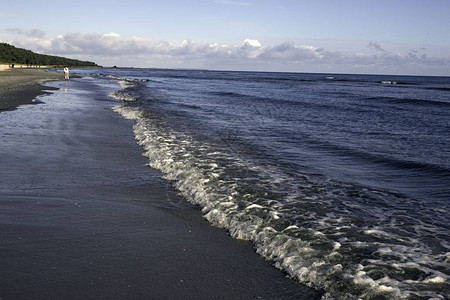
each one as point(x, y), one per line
point(83, 217)
point(21, 86)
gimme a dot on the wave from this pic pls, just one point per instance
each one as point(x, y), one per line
point(347, 241)
point(231, 94)
point(122, 78)
point(324, 234)
point(124, 94)
point(420, 102)
point(396, 82)
point(275, 102)
point(410, 101)
point(421, 167)
point(442, 89)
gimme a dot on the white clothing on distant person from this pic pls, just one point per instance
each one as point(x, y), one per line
point(66, 73)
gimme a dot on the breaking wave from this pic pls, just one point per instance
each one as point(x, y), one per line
point(346, 241)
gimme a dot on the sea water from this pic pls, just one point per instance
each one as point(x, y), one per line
point(342, 181)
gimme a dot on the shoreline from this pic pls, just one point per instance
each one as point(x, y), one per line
point(83, 216)
point(22, 86)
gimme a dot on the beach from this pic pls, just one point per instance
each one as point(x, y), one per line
point(20, 86)
point(82, 216)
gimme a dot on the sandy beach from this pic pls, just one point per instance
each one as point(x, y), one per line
point(21, 86)
point(83, 217)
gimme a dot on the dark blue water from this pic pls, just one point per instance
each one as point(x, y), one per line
point(343, 181)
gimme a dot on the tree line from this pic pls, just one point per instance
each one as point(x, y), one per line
point(12, 55)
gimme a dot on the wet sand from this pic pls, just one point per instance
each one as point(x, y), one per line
point(21, 86)
point(83, 217)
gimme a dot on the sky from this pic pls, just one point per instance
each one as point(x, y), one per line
point(409, 37)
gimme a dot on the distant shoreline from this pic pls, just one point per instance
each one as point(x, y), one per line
point(4, 67)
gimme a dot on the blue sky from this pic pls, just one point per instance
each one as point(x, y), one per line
point(346, 36)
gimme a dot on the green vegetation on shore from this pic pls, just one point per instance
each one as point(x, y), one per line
point(12, 55)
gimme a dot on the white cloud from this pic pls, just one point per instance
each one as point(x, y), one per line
point(291, 51)
point(33, 33)
point(112, 49)
point(112, 34)
point(252, 43)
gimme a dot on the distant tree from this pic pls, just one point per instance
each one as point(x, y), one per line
point(11, 54)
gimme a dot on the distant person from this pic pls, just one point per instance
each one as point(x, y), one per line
point(66, 74)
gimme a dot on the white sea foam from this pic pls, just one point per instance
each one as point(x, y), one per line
point(128, 113)
point(123, 94)
point(436, 279)
point(315, 251)
point(126, 84)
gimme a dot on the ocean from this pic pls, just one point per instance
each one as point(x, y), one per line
point(342, 181)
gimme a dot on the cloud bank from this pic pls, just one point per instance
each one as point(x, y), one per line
point(112, 49)
point(33, 33)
